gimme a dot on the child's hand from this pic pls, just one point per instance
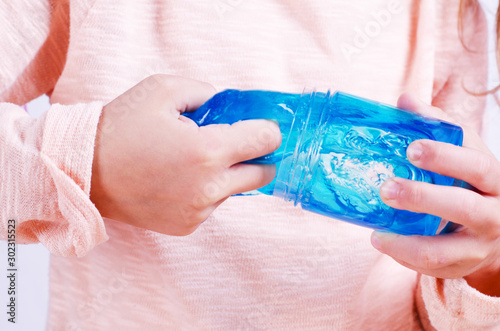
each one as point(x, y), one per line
point(472, 251)
point(158, 170)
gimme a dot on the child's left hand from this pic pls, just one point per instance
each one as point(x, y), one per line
point(473, 250)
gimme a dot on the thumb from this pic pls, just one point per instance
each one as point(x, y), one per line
point(250, 139)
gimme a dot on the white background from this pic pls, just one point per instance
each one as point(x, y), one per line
point(32, 260)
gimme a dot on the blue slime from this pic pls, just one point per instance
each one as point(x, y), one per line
point(336, 152)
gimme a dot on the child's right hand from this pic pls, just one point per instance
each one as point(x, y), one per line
point(158, 170)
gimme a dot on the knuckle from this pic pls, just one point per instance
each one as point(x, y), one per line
point(416, 196)
point(212, 190)
point(203, 156)
point(198, 204)
point(209, 192)
point(206, 152)
point(214, 140)
point(186, 211)
point(489, 218)
point(483, 166)
point(470, 206)
point(248, 147)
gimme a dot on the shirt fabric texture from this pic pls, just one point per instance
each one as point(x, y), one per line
point(257, 262)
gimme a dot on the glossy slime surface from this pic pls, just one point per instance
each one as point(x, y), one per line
point(336, 152)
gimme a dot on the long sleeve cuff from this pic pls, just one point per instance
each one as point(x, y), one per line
point(452, 304)
point(46, 169)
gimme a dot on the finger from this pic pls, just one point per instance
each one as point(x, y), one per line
point(445, 256)
point(471, 138)
point(249, 177)
point(183, 94)
point(453, 271)
point(410, 102)
point(475, 167)
point(247, 140)
point(452, 203)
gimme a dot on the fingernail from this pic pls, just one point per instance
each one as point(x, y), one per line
point(414, 152)
point(376, 242)
point(389, 190)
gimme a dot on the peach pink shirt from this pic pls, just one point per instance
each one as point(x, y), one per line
point(257, 262)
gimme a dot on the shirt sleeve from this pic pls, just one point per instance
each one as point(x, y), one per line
point(453, 305)
point(45, 163)
point(461, 71)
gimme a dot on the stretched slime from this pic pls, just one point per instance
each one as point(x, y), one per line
point(337, 150)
